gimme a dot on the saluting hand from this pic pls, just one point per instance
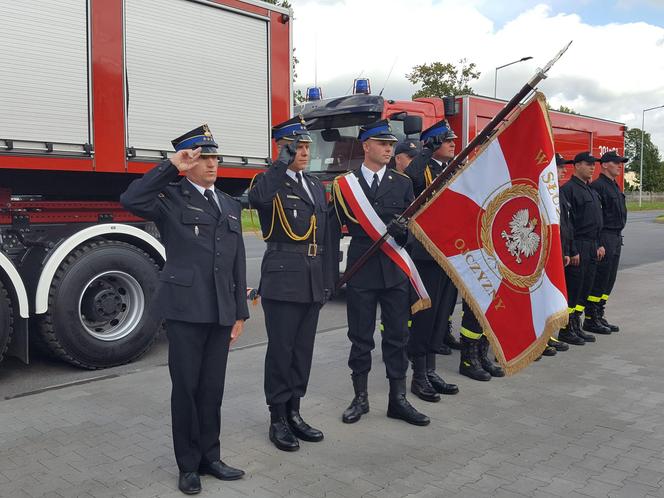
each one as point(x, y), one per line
point(236, 331)
point(185, 159)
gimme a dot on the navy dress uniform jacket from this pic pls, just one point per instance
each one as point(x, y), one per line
point(394, 195)
point(204, 278)
point(286, 275)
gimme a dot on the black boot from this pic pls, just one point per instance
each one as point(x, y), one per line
point(493, 369)
point(360, 404)
point(449, 340)
point(300, 428)
point(420, 386)
point(602, 320)
point(469, 364)
point(399, 407)
point(576, 324)
point(568, 335)
point(444, 349)
point(436, 380)
point(558, 345)
point(280, 432)
point(591, 323)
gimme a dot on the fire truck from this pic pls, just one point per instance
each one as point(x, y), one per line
point(334, 125)
point(91, 92)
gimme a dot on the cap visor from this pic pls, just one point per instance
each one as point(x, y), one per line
point(384, 138)
point(210, 151)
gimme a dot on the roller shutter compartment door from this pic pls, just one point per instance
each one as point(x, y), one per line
point(190, 63)
point(44, 71)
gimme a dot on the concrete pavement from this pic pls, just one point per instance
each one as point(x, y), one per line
point(588, 422)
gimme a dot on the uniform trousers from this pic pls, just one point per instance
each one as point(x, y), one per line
point(579, 279)
point(291, 330)
point(470, 325)
point(197, 354)
point(361, 306)
point(607, 268)
point(430, 325)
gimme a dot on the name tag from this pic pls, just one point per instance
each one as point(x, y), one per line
point(288, 196)
point(232, 217)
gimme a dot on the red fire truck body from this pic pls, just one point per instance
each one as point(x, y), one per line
point(91, 93)
point(572, 133)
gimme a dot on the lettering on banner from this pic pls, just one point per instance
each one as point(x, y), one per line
point(540, 158)
point(551, 182)
point(480, 275)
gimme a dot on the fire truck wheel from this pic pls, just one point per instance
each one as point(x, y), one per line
point(99, 306)
point(6, 321)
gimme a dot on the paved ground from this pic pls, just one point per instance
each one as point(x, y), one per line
point(588, 422)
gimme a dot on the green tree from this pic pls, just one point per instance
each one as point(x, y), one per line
point(440, 79)
point(568, 110)
point(653, 167)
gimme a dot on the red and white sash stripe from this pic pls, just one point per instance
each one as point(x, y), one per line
point(375, 228)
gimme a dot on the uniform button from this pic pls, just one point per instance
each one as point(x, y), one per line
point(218, 238)
point(216, 268)
point(218, 253)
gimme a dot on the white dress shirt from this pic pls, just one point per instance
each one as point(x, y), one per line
point(369, 175)
point(305, 184)
point(202, 191)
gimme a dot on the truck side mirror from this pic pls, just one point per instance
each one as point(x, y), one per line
point(332, 135)
point(412, 125)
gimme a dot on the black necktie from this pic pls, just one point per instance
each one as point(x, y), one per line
point(374, 185)
point(210, 197)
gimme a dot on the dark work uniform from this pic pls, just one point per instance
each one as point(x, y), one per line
point(429, 326)
point(202, 295)
point(293, 282)
point(614, 218)
point(379, 281)
point(586, 219)
point(566, 228)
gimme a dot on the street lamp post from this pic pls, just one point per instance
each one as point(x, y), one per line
point(643, 124)
point(495, 76)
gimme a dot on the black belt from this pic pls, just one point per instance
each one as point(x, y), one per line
point(308, 249)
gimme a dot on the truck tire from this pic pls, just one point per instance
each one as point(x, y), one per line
point(6, 321)
point(99, 305)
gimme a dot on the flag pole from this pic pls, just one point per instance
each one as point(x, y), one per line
point(451, 168)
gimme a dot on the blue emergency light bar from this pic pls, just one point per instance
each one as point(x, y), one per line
point(314, 93)
point(361, 85)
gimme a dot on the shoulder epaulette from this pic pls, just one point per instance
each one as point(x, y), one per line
point(400, 173)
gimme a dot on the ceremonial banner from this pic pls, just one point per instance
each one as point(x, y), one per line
point(367, 217)
point(495, 230)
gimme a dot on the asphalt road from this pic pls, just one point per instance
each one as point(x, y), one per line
point(644, 243)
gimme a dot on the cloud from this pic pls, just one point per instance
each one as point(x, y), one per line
point(611, 71)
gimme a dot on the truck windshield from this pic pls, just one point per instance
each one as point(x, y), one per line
point(338, 153)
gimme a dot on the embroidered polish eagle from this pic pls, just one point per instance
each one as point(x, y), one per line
point(522, 238)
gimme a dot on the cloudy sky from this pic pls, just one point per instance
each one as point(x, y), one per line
point(614, 69)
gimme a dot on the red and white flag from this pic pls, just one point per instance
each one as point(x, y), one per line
point(367, 217)
point(495, 230)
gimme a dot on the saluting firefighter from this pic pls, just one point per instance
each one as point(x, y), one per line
point(586, 219)
point(614, 219)
point(385, 194)
point(292, 208)
point(430, 330)
point(202, 294)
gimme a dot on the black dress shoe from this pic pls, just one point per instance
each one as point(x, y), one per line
point(221, 471)
point(282, 436)
point(440, 385)
point(302, 430)
point(189, 483)
point(549, 351)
